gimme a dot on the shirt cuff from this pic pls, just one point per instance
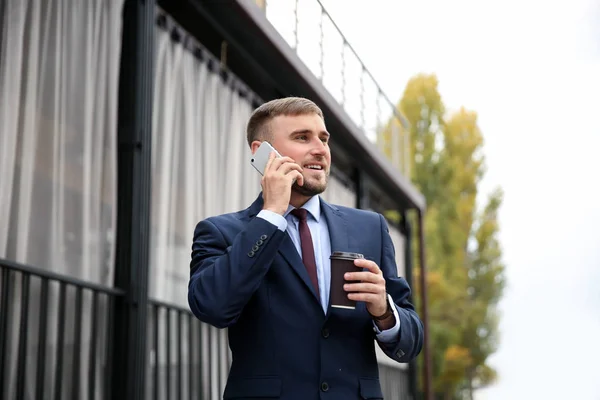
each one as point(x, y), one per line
point(389, 335)
point(276, 219)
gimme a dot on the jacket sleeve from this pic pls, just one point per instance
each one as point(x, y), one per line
point(224, 277)
point(410, 337)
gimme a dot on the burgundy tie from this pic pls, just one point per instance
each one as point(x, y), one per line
point(308, 252)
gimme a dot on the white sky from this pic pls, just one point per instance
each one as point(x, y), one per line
point(531, 70)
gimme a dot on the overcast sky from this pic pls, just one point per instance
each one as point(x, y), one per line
point(531, 70)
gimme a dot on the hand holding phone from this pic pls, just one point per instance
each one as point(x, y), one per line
point(279, 174)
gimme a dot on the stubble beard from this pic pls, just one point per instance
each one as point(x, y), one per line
point(310, 189)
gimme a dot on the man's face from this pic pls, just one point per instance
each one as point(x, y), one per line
point(305, 139)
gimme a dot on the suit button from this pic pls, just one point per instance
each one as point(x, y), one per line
point(251, 254)
point(324, 386)
point(263, 237)
point(325, 333)
point(255, 248)
point(259, 243)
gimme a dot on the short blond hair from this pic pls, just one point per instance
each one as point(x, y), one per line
point(257, 128)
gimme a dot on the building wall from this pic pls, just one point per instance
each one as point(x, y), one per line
point(58, 161)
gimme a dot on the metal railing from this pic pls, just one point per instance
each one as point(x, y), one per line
point(311, 31)
point(394, 383)
point(56, 342)
point(55, 335)
point(187, 358)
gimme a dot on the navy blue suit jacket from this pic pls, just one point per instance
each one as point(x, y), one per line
point(246, 275)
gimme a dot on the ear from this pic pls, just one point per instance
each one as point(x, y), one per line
point(255, 145)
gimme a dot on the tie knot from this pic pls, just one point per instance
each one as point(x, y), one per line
point(299, 213)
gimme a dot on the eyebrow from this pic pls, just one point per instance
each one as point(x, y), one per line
point(297, 131)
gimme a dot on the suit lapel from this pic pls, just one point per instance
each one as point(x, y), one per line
point(339, 237)
point(337, 226)
point(338, 234)
point(290, 254)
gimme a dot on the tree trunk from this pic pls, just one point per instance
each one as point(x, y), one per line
point(470, 375)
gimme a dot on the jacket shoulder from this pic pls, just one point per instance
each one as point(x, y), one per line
point(356, 212)
point(224, 220)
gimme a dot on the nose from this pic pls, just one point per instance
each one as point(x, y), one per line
point(319, 148)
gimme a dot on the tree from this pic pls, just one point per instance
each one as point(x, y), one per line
point(485, 286)
point(464, 284)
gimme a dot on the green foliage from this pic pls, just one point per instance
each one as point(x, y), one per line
point(465, 272)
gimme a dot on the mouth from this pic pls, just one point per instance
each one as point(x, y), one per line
point(314, 167)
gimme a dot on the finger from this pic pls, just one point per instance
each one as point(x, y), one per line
point(366, 297)
point(365, 287)
point(368, 264)
point(364, 276)
point(298, 177)
point(288, 167)
point(272, 156)
point(279, 161)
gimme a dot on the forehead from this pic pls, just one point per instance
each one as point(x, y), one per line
point(284, 124)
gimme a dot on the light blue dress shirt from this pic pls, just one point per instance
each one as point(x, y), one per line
point(319, 232)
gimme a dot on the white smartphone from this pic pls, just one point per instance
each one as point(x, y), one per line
point(261, 157)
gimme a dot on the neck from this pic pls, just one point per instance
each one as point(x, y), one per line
point(297, 200)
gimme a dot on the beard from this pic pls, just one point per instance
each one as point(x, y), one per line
point(311, 188)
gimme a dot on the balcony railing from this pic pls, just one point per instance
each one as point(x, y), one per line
point(318, 41)
point(55, 335)
point(56, 341)
point(187, 358)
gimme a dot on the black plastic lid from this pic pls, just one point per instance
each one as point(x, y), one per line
point(346, 255)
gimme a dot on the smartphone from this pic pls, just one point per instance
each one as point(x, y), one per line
point(261, 157)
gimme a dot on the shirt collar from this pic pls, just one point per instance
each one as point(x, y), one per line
point(313, 206)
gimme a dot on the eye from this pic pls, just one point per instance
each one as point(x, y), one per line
point(302, 137)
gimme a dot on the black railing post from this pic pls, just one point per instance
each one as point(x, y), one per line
point(128, 362)
point(406, 230)
point(427, 372)
point(362, 192)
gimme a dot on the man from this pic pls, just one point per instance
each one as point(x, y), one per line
point(257, 273)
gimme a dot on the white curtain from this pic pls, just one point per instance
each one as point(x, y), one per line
point(59, 65)
point(58, 82)
point(200, 167)
point(200, 164)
